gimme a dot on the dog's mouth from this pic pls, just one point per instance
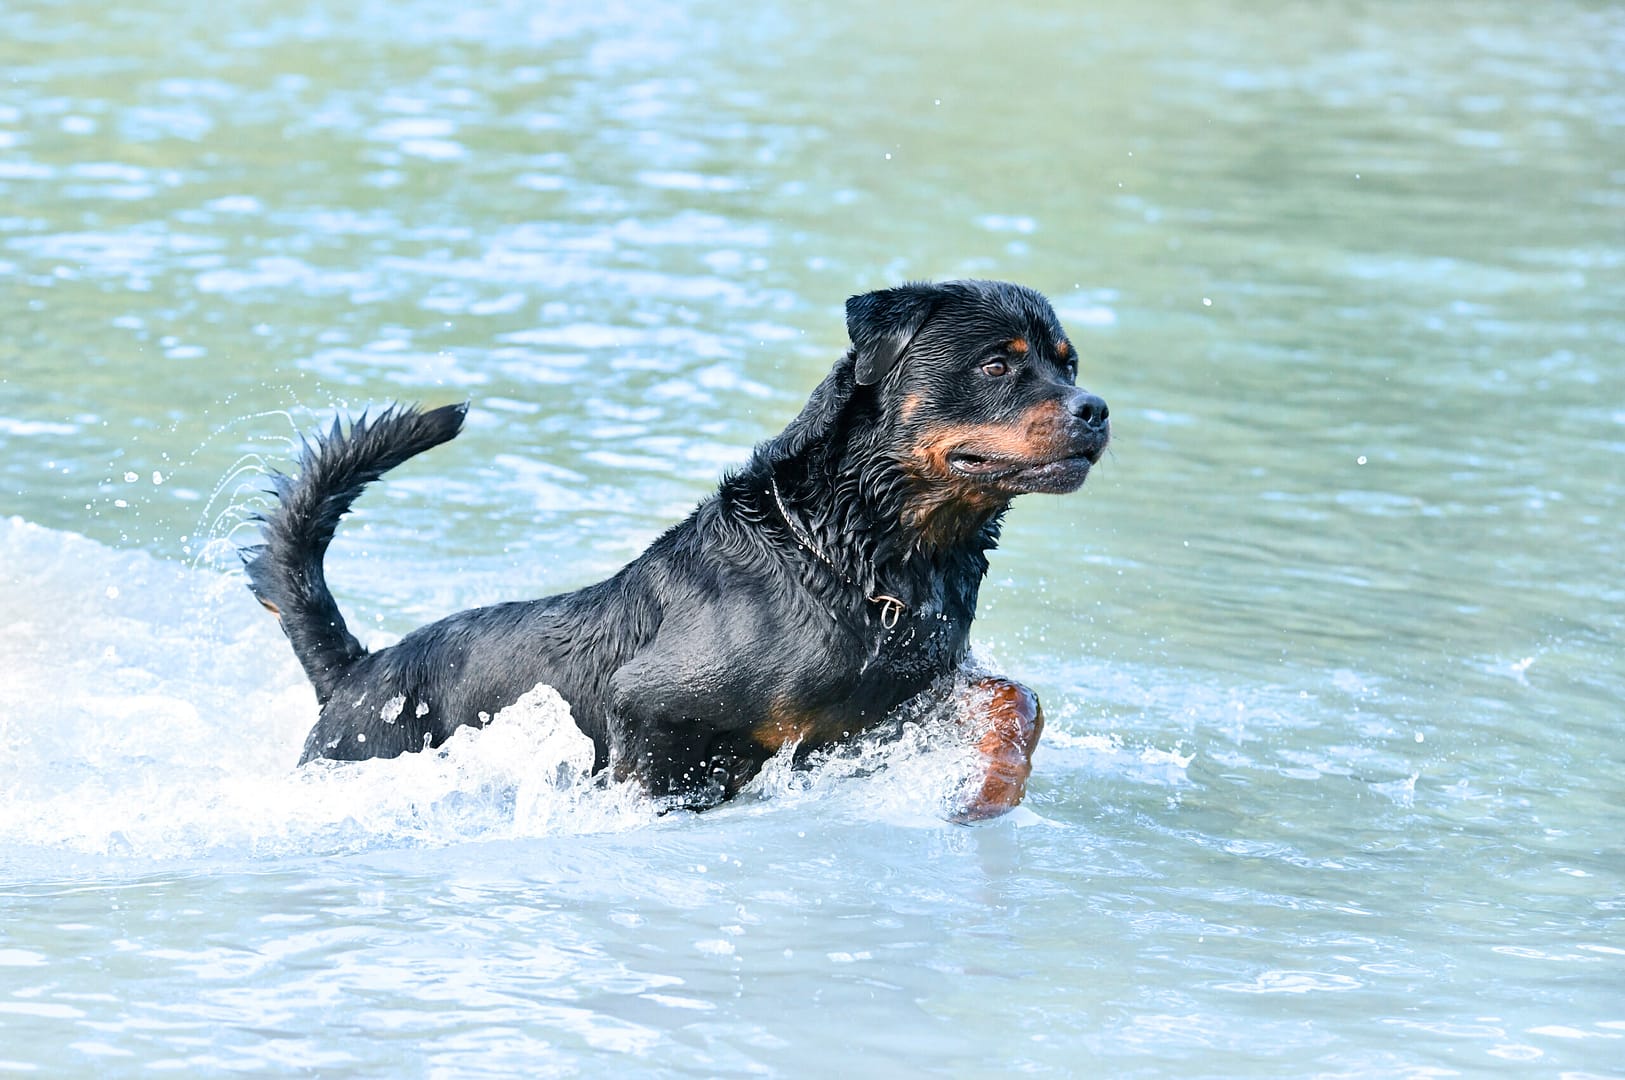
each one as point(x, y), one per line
point(1054, 475)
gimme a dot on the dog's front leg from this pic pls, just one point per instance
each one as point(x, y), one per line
point(674, 724)
point(1006, 720)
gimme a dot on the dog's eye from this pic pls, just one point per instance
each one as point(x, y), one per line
point(995, 368)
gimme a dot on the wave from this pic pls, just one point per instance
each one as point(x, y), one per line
point(151, 710)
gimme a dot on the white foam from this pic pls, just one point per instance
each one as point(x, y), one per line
point(921, 778)
point(152, 710)
point(1109, 755)
point(162, 717)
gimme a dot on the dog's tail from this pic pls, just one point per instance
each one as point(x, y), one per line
point(285, 572)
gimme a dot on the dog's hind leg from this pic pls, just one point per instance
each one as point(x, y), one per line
point(1006, 720)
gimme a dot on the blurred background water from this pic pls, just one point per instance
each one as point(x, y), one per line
point(1330, 644)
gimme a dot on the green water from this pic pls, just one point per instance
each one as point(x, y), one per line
point(1330, 643)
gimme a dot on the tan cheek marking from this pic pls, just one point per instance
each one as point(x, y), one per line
point(930, 456)
point(1035, 434)
point(1045, 418)
point(946, 507)
point(911, 405)
point(272, 608)
point(1006, 440)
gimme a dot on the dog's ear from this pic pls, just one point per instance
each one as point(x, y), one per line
point(881, 324)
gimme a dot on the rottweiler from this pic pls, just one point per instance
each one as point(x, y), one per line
point(827, 582)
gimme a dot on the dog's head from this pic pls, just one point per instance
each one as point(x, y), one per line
point(977, 394)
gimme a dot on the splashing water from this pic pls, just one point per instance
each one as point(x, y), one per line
point(156, 714)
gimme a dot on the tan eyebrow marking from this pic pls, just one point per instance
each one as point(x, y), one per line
point(1062, 348)
point(1018, 345)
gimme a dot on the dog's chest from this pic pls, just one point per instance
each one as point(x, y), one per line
point(928, 638)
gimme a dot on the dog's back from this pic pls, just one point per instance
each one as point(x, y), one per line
point(466, 668)
point(460, 670)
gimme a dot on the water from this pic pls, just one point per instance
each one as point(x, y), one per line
point(1330, 645)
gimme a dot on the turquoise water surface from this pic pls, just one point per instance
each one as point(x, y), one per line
point(1330, 643)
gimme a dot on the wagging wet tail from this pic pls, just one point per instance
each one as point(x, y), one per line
point(285, 572)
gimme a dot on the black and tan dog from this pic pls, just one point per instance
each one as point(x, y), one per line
point(829, 581)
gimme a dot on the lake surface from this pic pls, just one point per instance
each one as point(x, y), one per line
point(1330, 644)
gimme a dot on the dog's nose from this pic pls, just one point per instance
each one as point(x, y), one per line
point(1089, 408)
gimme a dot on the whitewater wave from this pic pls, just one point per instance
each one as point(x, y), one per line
point(150, 710)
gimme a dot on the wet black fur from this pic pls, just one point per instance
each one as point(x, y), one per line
point(677, 663)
